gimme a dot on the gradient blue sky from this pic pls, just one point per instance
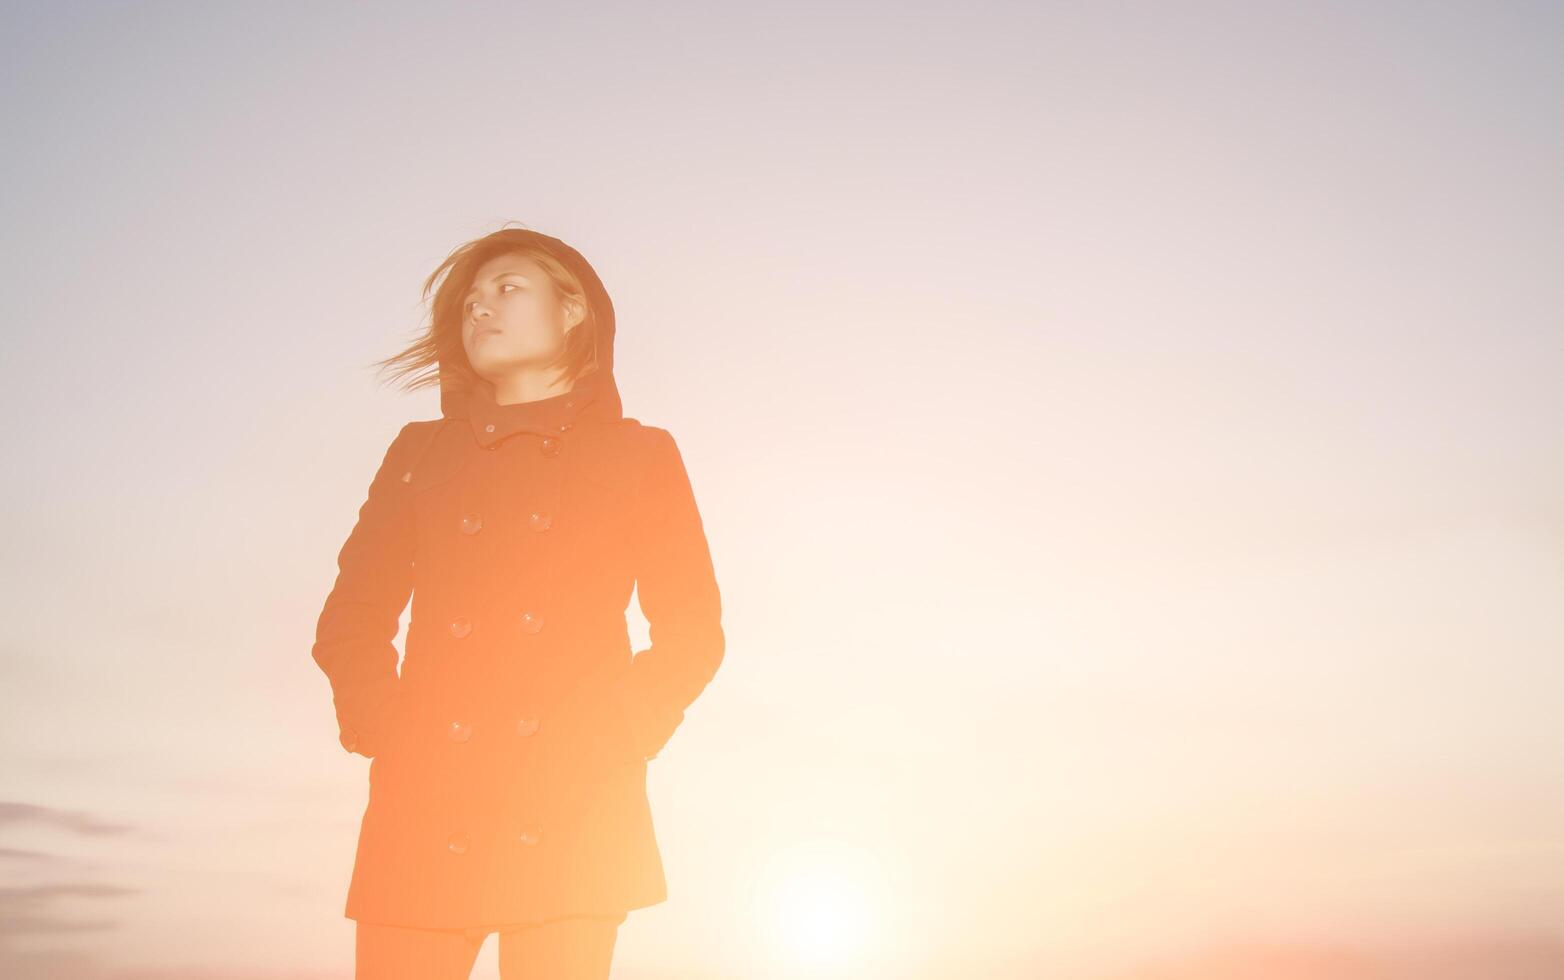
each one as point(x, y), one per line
point(1129, 437)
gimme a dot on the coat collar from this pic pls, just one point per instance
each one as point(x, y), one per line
point(593, 396)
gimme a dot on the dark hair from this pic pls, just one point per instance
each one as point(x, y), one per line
point(437, 356)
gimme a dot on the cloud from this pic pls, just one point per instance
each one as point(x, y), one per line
point(47, 925)
point(12, 812)
point(49, 964)
point(23, 911)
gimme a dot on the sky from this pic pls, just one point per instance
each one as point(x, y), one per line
point(1128, 436)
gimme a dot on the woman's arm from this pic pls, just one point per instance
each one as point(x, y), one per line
point(679, 597)
point(356, 633)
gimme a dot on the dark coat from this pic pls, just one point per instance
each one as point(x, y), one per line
point(508, 781)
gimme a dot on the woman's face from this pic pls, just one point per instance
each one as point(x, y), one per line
point(513, 317)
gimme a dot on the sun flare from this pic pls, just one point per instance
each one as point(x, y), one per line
point(820, 905)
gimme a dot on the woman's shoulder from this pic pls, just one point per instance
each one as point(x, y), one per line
point(622, 450)
point(415, 451)
point(416, 435)
point(632, 433)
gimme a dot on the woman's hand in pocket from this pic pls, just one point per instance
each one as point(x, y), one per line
point(367, 722)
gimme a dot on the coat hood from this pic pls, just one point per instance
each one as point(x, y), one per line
point(594, 395)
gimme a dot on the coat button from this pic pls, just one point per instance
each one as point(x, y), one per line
point(489, 427)
point(539, 521)
point(531, 623)
point(472, 524)
point(461, 626)
point(526, 726)
point(530, 834)
point(458, 843)
point(566, 427)
point(550, 446)
point(460, 731)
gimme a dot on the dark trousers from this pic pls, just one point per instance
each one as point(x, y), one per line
point(576, 947)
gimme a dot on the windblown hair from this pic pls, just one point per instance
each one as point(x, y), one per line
point(437, 356)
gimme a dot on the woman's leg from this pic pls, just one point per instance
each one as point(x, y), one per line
point(576, 947)
point(398, 953)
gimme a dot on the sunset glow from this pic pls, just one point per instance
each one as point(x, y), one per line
point(820, 904)
point(1129, 438)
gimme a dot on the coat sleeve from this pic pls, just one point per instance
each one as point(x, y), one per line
point(356, 632)
point(678, 594)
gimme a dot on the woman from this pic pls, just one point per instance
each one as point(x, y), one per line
point(507, 787)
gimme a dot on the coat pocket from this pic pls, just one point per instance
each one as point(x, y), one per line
point(372, 734)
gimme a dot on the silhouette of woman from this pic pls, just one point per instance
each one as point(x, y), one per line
point(507, 787)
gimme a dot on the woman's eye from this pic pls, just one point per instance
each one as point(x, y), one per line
point(501, 289)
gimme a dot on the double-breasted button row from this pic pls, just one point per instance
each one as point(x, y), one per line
point(461, 731)
point(538, 520)
point(531, 622)
point(528, 834)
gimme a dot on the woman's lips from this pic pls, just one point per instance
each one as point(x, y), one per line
point(483, 332)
